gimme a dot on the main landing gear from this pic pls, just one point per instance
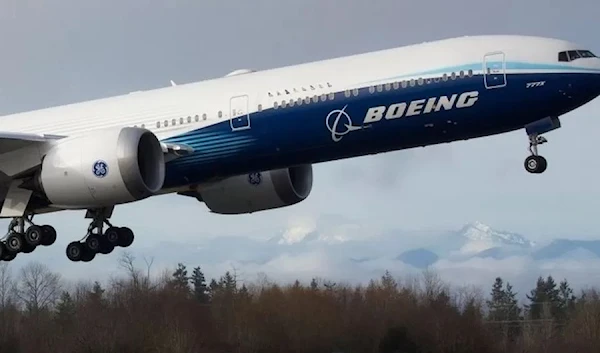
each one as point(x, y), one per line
point(535, 163)
point(98, 241)
point(25, 240)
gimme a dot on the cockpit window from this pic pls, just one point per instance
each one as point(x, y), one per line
point(574, 55)
point(562, 56)
point(586, 54)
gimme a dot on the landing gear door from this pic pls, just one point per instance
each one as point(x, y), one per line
point(238, 111)
point(494, 70)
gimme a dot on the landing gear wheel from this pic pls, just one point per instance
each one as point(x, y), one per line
point(125, 237)
point(33, 236)
point(535, 164)
point(27, 248)
point(8, 256)
point(105, 246)
point(48, 235)
point(14, 243)
point(88, 255)
point(92, 243)
point(75, 251)
point(112, 235)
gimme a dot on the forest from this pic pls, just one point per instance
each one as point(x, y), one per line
point(182, 311)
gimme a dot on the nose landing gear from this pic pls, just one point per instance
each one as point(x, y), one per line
point(535, 163)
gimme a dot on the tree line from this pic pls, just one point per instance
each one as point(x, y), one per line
point(182, 311)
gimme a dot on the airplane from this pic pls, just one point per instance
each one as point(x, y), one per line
point(246, 142)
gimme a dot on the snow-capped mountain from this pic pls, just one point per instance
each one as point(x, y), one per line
point(480, 232)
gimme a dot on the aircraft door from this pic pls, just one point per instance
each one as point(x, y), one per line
point(238, 111)
point(494, 67)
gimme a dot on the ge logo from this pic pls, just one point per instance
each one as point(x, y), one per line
point(100, 169)
point(255, 178)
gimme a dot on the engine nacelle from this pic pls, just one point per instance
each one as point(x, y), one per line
point(102, 168)
point(259, 191)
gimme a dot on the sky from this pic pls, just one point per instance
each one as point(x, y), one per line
point(55, 53)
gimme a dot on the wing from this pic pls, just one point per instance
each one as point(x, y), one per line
point(10, 141)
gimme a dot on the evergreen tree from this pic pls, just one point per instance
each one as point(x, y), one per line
point(566, 299)
point(388, 282)
point(503, 305)
point(201, 291)
point(214, 287)
point(228, 283)
point(544, 298)
point(496, 305)
point(512, 304)
point(180, 279)
point(65, 309)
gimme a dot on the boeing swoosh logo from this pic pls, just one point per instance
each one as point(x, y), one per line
point(339, 123)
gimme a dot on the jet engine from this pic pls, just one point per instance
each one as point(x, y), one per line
point(102, 168)
point(258, 191)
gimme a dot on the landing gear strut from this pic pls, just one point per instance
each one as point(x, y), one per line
point(20, 239)
point(535, 163)
point(98, 241)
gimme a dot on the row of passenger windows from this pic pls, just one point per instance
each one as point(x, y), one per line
point(324, 97)
point(571, 55)
point(379, 88)
point(196, 118)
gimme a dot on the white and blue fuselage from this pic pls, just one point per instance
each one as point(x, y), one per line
point(417, 95)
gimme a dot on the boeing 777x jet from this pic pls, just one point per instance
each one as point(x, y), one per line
point(247, 141)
